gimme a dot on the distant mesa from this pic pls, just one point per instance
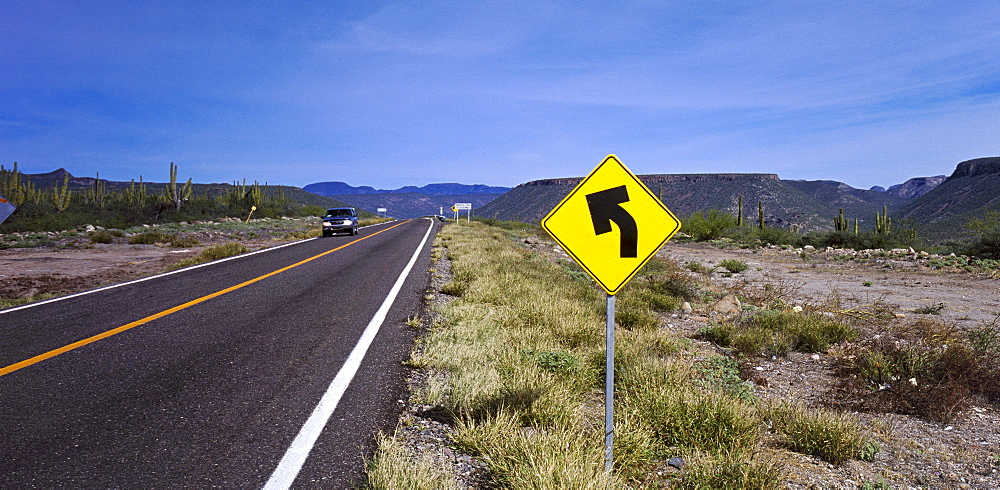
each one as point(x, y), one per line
point(977, 167)
point(916, 186)
point(341, 188)
point(969, 193)
point(409, 201)
point(937, 206)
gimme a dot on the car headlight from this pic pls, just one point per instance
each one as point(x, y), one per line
point(346, 222)
point(327, 224)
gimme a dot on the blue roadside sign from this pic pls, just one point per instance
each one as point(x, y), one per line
point(6, 208)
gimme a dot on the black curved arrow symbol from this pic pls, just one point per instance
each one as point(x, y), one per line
point(604, 208)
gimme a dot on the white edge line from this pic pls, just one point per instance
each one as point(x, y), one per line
point(165, 274)
point(288, 469)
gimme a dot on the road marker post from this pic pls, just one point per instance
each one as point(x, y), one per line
point(582, 225)
point(252, 209)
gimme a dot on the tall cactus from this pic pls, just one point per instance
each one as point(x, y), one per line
point(135, 195)
point(61, 196)
point(97, 192)
point(255, 194)
point(855, 226)
point(739, 213)
point(175, 195)
point(883, 223)
point(840, 223)
point(11, 186)
point(760, 215)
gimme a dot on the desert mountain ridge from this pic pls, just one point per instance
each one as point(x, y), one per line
point(973, 188)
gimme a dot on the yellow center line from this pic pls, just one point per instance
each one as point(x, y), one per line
point(115, 331)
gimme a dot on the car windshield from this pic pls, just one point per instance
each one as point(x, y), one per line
point(338, 213)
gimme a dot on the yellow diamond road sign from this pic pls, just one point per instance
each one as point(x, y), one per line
point(611, 224)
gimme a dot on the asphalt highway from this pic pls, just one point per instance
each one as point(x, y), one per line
point(212, 372)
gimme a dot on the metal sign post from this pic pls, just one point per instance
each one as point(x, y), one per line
point(609, 385)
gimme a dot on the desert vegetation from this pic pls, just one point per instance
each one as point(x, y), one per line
point(514, 368)
point(977, 244)
point(64, 204)
point(515, 364)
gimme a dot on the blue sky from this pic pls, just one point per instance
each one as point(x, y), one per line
point(408, 93)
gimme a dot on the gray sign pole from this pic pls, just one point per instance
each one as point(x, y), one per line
point(609, 385)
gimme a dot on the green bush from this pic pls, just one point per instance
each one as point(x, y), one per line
point(722, 373)
point(734, 266)
point(709, 225)
point(826, 435)
point(214, 253)
point(154, 237)
point(696, 419)
point(102, 236)
point(776, 333)
point(733, 471)
point(986, 236)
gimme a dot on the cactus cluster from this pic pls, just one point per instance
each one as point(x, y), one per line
point(61, 196)
point(18, 189)
point(136, 195)
point(840, 223)
point(96, 194)
point(174, 194)
point(883, 223)
point(129, 202)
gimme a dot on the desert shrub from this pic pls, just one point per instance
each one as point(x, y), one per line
point(631, 312)
point(986, 339)
point(734, 266)
point(214, 253)
point(695, 419)
point(154, 237)
point(698, 268)
point(674, 283)
point(555, 361)
point(985, 243)
point(709, 225)
point(900, 237)
point(394, 466)
point(102, 236)
point(454, 288)
point(731, 470)
point(722, 373)
point(772, 292)
point(924, 369)
point(778, 236)
point(776, 333)
point(149, 238)
point(932, 309)
point(830, 436)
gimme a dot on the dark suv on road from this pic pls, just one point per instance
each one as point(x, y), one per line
point(339, 220)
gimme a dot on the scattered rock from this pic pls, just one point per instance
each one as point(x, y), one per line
point(729, 305)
